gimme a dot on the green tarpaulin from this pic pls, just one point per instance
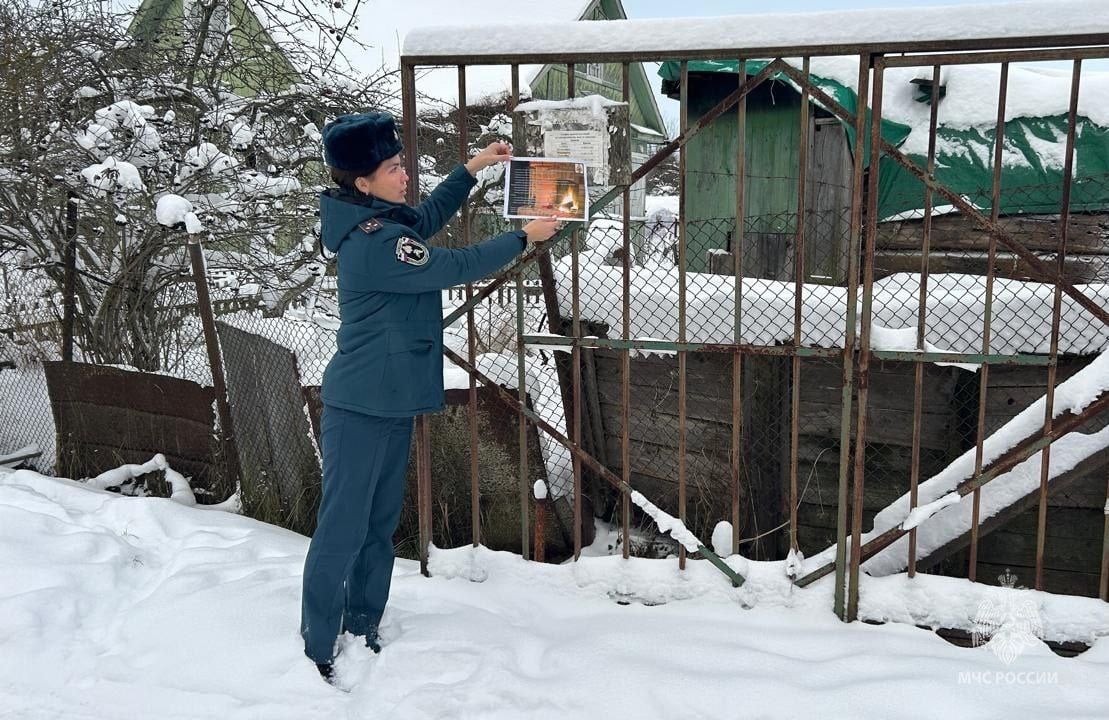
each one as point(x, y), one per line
point(1032, 166)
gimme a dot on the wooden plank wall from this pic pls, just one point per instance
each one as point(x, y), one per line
point(948, 427)
point(958, 245)
point(653, 427)
point(1075, 517)
point(889, 440)
point(107, 417)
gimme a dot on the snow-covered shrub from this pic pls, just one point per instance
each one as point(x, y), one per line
point(209, 111)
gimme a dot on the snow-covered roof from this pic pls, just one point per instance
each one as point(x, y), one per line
point(970, 91)
point(666, 36)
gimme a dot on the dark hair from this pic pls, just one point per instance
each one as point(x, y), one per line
point(345, 178)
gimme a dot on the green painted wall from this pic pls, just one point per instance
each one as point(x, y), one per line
point(772, 140)
point(160, 23)
point(551, 82)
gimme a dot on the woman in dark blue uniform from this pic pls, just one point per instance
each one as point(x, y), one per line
point(389, 364)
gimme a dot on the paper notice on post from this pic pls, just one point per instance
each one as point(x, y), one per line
point(588, 146)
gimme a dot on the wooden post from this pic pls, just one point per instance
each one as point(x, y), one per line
point(215, 362)
point(69, 289)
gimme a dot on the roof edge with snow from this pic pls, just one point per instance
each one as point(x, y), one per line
point(971, 27)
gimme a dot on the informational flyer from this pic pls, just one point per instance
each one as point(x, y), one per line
point(588, 146)
point(546, 187)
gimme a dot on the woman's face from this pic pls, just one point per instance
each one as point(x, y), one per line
point(388, 182)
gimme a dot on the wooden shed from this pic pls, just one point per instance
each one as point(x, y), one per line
point(1031, 177)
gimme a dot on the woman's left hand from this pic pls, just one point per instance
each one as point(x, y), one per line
point(494, 153)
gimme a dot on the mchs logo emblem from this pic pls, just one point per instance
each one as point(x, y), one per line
point(412, 251)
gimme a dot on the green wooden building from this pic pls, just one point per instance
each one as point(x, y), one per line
point(647, 127)
point(1031, 177)
point(255, 62)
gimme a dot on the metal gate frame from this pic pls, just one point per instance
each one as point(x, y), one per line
point(856, 353)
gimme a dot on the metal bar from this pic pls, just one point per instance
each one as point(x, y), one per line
point(69, 283)
point(737, 330)
point(423, 488)
point(922, 314)
point(471, 325)
point(522, 393)
point(521, 376)
point(1056, 313)
point(1064, 423)
point(575, 354)
point(849, 338)
point(215, 361)
point(423, 435)
point(540, 528)
point(1075, 53)
point(625, 355)
point(864, 343)
point(667, 345)
point(411, 125)
point(1103, 589)
point(1038, 269)
point(987, 320)
point(986, 43)
point(587, 459)
point(682, 355)
point(637, 175)
point(798, 305)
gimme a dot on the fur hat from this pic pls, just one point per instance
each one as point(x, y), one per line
point(360, 143)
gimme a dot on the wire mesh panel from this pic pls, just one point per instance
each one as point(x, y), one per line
point(280, 463)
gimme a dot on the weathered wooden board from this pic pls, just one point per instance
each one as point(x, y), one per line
point(1076, 268)
point(106, 417)
point(280, 467)
point(1087, 234)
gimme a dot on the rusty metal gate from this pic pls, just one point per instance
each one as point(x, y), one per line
point(853, 359)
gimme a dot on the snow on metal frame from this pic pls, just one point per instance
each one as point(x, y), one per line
point(902, 26)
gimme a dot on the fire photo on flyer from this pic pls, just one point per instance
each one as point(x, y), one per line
point(542, 187)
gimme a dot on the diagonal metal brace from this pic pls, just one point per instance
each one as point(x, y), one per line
point(1025, 449)
point(520, 407)
point(595, 207)
point(1041, 270)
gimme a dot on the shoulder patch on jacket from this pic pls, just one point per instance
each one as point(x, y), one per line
point(412, 251)
point(370, 226)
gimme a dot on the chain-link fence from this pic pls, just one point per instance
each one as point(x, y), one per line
point(724, 372)
point(270, 357)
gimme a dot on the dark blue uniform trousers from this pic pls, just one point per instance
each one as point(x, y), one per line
point(350, 560)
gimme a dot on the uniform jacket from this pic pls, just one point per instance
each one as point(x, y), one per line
point(390, 355)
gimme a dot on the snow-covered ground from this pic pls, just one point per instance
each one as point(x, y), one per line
point(118, 607)
point(954, 323)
